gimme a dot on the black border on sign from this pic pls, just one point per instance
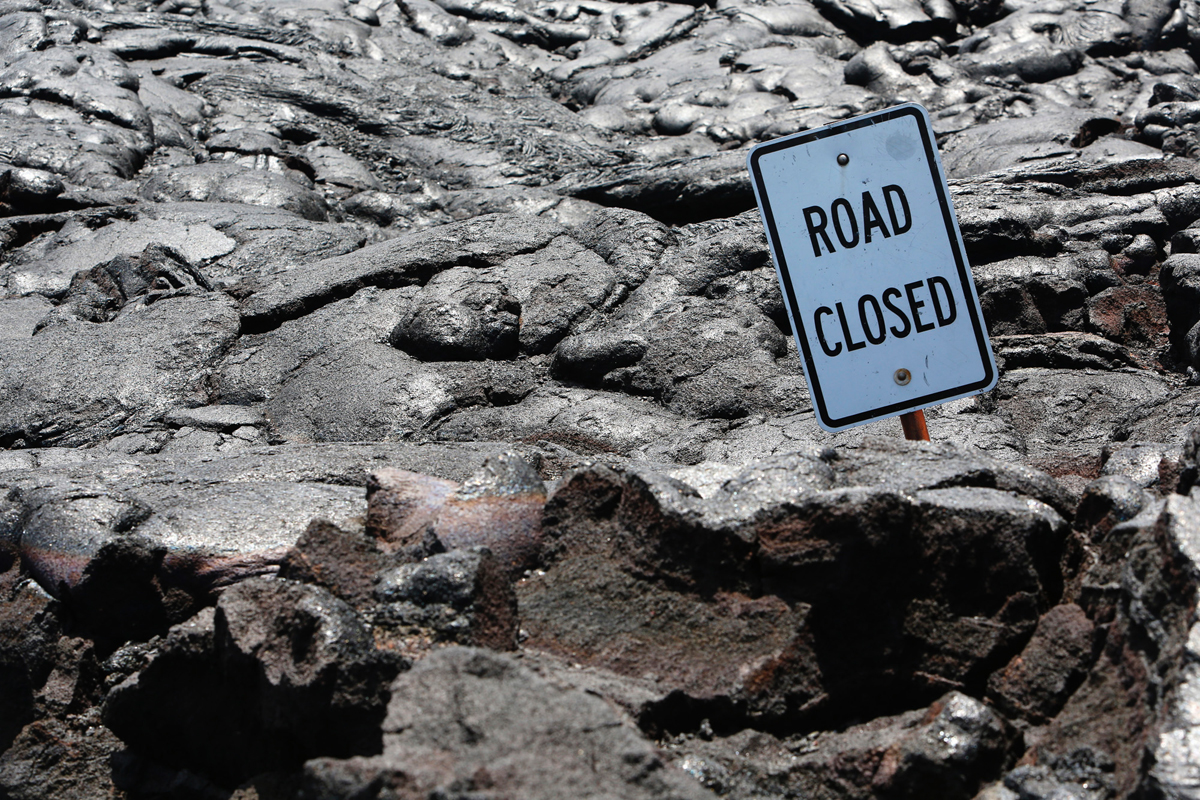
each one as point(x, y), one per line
point(964, 273)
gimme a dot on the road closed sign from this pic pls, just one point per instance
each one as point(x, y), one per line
point(872, 267)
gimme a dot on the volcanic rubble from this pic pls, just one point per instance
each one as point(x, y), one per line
point(397, 401)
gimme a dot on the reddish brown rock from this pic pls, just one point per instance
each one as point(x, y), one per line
point(60, 757)
point(1037, 682)
point(766, 666)
point(402, 506)
point(1133, 315)
point(29, 633)
point(821, 602)
point(499, 507)
point(631, 589)
point(346, 562)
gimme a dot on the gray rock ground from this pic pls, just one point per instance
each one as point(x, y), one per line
point(337, 335)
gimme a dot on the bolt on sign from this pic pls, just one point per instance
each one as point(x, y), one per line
point(872, 266)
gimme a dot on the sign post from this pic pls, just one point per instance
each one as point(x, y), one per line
point(913, 424)
point(873, 269)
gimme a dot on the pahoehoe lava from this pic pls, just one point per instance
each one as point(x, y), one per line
point(397, 401)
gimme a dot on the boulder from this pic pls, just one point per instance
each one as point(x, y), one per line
point(669, 573)
point(295, 667)
point(464, 717)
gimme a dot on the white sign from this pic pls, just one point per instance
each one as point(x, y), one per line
point(872, 267)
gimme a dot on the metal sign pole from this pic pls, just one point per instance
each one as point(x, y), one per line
point(914, 426)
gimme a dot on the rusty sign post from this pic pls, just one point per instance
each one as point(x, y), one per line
point(914, 426)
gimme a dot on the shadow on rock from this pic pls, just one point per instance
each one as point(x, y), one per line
point(277, 673)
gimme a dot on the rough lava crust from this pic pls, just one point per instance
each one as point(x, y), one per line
point(397, 401)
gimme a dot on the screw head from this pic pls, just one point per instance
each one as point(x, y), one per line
point(843, 159)
point(902, 376)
